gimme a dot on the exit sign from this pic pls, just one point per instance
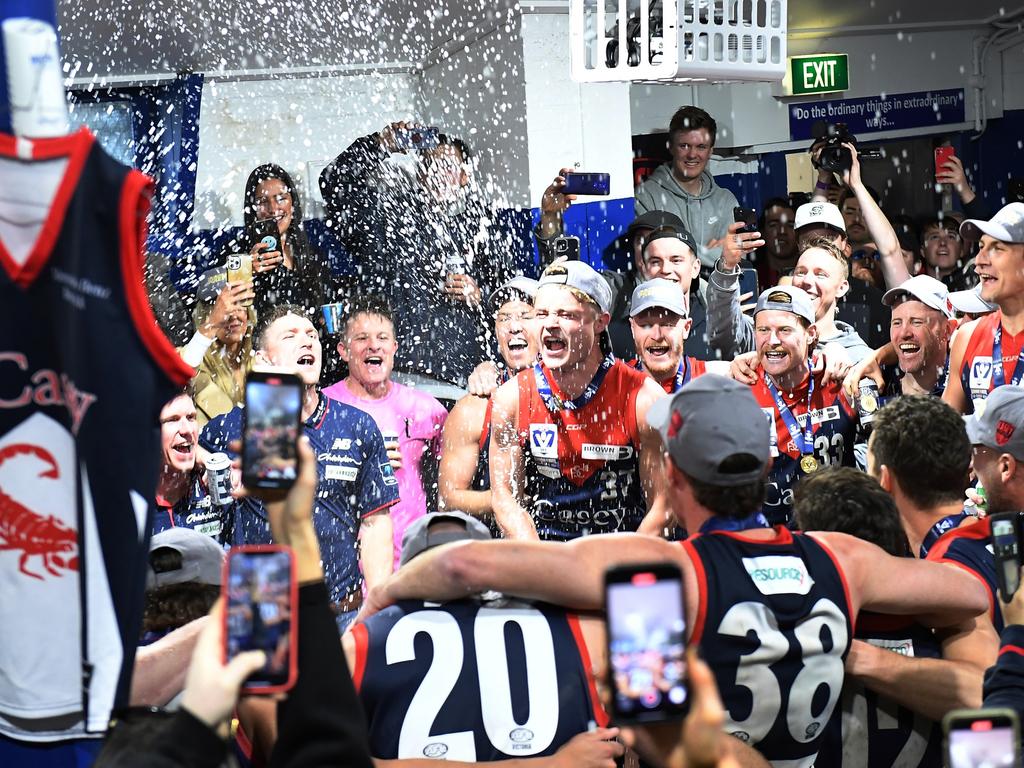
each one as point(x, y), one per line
point(824, 73)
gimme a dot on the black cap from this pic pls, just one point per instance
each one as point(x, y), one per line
point(672, 233)
point(655, 220)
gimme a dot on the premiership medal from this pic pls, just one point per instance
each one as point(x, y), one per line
point(868, 403)
point(808, 464)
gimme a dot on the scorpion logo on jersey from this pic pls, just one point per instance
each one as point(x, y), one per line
point(33, 534)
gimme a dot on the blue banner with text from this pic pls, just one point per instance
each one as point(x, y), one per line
point(873, 114)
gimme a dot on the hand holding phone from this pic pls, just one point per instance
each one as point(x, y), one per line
point(1006, 550)
point(942, 155)
point(261, 597)
point(646, 642)
point(746, 216)
point(273, 409)
point(579, 183)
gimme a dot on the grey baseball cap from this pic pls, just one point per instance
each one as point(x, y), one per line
point(924, 288)
point(658, 293)
point(1007, 225)
point(1000, 425)
point(709, 420)
point(786, 298)
point(418, 537)
point(202, 558)
point(582, 277)
point(970, 302)
point(519, 287)
point(672, 233)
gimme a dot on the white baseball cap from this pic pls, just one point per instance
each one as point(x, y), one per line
point(926, 289)
point(819, 214)
point(970, 302)
point(1006, 226)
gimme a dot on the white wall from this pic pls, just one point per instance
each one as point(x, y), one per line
point(751, 114)
point(569, 122)
point(299, 123)
point(478, 94)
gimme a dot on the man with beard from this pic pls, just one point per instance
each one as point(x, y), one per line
point(571, 453)
point(356, 485)
point(812, 423)
point(464, 481)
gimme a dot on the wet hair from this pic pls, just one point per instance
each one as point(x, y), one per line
point(371, 304)
point(692, 118)
point(259, 339)
point(846, 500)
point(924, 444)
point(828, 244)
point(174, 605)
point(735, 502)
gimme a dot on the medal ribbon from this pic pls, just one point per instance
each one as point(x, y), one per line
point(803, 437)
point(682, 373)
point(556, 404)
point(998, 375)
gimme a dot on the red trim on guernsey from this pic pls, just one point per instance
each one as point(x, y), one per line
point(375, 510)
point(323, 416)
point(75, 147)
point(362, 639)
point(702, 592)
point(600, 715)
point(133, 209)
point(1011, 649)
point(485, 431)
point(842, 577)
point(242, 739)
point(782, 536)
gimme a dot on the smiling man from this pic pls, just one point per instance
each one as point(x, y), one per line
point(685, 187)
point(990, 352)
point(356, 486)
point(571, 452)
point(813, 425)
point(411, 420)
point(181, 497)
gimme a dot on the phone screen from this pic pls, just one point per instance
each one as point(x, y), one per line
point(646, 643)
point(273, 405)
point(578, 183)
point(265, 234)
point(984, 741)
point(260, 587)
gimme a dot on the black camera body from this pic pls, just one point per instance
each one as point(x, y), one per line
point(834, 157)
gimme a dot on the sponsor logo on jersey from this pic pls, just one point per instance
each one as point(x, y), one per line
point(544, 441)
point(341, 444)
point(521, 738)
point(821, 415)
point(904, 647)
point(333, 458)
point(435, 750)
point(200, 518)
point(336, 472)
point(981, 373)
point(600, 452)
point(779, 574)
point(388, 473)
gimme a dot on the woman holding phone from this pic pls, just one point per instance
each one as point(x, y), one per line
point(286, 268)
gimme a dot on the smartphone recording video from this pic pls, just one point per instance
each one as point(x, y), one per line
point(579, 183)
point(260, 597)
point(273, 407)
point(982, 738)
point(748, 216)
point(265, 234)
point(646, 642)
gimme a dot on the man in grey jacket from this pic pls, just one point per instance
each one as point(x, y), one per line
point(685, 187)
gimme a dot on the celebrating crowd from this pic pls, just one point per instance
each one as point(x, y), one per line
point(483, 438)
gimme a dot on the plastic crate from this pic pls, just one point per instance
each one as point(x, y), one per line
point(678, 40)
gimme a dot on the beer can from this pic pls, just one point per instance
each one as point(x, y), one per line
point(868, 402)
point(218, 478)
point(35, 81)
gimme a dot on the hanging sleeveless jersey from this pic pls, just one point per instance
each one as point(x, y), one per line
point(473, 681)
point(582, 469)
point(970, 547)
point(977, 366)
point(871, 731)
point(774, 624)
point(834, 424)
point(84, 371)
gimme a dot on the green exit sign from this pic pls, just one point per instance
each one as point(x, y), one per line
point(824, 73)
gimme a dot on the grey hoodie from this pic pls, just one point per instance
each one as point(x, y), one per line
point(706, 215)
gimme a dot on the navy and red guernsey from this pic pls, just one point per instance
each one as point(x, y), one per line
point(831, 437)
point(689, 369)
point(84, 372)
point(474, 681)
point(868, 730)
point(774, 625)
point(970, 547)
point(977, 373)
point(582, 472)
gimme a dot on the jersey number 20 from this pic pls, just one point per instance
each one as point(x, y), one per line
point(508, 736)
